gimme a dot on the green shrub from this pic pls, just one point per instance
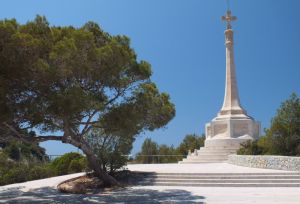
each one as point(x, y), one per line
point(18, 151)
point(17, 174)
point(115, 161)
point(110, 149)
point(77, 165)
point(250, 148)
point(191, 142)
point(5, 162)
point(68, 163)
point(40, 172)
point(21, 172)
point(284, 132)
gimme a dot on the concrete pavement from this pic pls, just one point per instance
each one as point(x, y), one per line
point(43, 191)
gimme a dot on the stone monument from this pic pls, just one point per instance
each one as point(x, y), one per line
point(232, 126)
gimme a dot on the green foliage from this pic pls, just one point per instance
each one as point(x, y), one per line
point(149, 148)
point(77, 71)
point(12, 171)
point(18, 174)
point(40, 172)
point(283, 137)
point(30, 152)
point(191, 142)
point(5, 163)
point(153, 153)
point(21, 162)
point(164, 150)
point(251, 148)
point(72, 79)
point(284, 132)
point(111, 149)
point(69, 163)
point(77, 165)
point(21, 172)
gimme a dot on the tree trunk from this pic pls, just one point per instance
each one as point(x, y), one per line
point(107, 179)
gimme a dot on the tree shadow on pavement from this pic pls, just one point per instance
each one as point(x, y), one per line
point(124, 195)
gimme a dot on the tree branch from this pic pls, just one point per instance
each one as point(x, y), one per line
point(47, 137)
point(13, 130)
point(119, 93)
point(25, 138)
point(88, 123)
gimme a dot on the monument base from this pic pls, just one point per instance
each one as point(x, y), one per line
point(224, 136)
point(214, 151)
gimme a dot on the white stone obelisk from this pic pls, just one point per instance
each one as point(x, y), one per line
point(231, 105)
point(232, 126)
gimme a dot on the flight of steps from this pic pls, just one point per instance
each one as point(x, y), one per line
point(209, 155)
point(291, 179)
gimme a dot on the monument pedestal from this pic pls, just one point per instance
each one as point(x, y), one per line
point(224, 136)
point(232, 127)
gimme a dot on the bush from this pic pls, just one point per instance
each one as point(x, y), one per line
point(69, 163)
point(18, 151)
point(5, 163)
point(115, 161)
point(149, 148)
point(284, 132)
point(40, 172)
point(191, 142)
point(283, 137)
point(111, 150)
point(17, 174)
point(251, 148)
point(77, 165)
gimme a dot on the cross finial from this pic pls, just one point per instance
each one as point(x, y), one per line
point(228, 18)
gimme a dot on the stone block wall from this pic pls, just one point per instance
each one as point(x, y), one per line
point(266, 162)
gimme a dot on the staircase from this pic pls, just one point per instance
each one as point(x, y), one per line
point(291, 179)
point(208, 155)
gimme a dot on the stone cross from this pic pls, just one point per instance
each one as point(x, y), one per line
point(228, 18)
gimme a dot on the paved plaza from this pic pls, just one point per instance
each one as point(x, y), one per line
point(44, 191)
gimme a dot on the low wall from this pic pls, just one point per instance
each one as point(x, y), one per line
point(266, 162)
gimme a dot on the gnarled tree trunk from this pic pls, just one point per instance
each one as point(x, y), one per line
point(94, 162)
point(107, 179)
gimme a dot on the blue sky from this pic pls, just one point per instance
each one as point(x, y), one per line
point(184, 42)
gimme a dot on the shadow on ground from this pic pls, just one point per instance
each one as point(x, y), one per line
point(125, 195)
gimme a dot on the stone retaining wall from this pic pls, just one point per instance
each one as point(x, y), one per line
point(266, 162)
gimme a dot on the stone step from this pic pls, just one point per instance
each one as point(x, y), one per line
point(208, 157)
point(204, 154)
point(225, 177)
point(199, 162)
point(205, 160)
point(214, 153)
point(202, 181)
point(276, 179)
point(202, 160)
point(226, 184)
point(224, 174)
point(216, 150)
